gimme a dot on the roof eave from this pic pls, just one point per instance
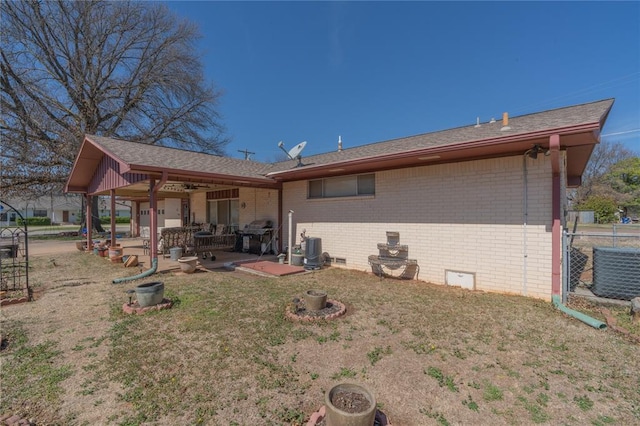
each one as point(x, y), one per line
point(467, 150)
point(90, 154)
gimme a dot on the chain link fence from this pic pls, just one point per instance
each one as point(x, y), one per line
point(602, 263)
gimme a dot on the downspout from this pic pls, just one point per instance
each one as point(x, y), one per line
point(556, 234)
point(153, 190)
point(144, 274)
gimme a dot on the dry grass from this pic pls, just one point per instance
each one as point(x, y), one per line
point(225, 354)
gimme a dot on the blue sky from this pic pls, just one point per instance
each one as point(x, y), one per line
point(373, 71)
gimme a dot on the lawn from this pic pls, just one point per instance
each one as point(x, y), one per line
point(225, 354)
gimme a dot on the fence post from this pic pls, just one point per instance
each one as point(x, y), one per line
point(565, 267)
point(615, 239)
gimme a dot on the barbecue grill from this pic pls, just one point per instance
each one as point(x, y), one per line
point(257, 237)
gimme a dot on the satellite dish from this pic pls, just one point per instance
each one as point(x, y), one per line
point(296, 150)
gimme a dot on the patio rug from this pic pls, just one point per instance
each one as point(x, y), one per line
point(271, 268)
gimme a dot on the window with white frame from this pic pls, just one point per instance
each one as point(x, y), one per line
point(343, 186)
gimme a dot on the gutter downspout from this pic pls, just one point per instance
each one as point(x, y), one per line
point(153, 190)
point(556, 234)
point(154, 268)
point(557, 302)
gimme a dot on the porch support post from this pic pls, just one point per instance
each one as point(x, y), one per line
point(153, 214)
point(88, 221)
point(556, 205)
point(112, 194)
point(135, 231)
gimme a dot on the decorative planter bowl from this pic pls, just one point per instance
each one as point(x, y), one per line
point(315, 300)
point(364, 414)
point(150, 294)
point(188, 264)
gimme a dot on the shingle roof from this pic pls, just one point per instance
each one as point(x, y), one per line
point(520, 125)
point(152, 156)
point(140, 155)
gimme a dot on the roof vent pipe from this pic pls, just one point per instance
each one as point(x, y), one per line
point(339, 143)
point(477, 122)
point(505, 121)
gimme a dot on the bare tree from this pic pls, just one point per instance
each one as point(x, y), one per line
point(594, 182)
point(128, 70)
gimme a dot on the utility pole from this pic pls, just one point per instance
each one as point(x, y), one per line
point(246, 153)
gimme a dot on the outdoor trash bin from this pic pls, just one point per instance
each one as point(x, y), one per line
point(176, 253)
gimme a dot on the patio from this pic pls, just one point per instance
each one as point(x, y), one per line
point(266, 264)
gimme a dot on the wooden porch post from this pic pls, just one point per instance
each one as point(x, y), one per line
point(112, 193)
point(135, 231)
point(88, 222)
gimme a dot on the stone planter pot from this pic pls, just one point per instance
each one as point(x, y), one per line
point(188, 264)
point(359, 395)
point(150, 294)
point(315, 300)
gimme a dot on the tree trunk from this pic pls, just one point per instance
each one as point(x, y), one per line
point(95, 213)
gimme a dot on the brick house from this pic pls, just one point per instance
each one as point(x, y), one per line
point(484, 202)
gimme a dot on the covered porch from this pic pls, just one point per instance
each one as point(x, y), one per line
point(173, 188)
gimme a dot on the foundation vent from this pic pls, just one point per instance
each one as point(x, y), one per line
point(460, 279)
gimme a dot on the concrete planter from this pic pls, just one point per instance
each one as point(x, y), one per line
point(338, 417)
point(150, 294)
point(315, 300)
point(188, 264)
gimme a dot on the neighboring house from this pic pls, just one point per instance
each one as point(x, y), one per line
point(61, 209)
point(484, 202)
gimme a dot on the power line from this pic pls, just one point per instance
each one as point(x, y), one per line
point(594, 88)
point(622, 133)
point(246, 153)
